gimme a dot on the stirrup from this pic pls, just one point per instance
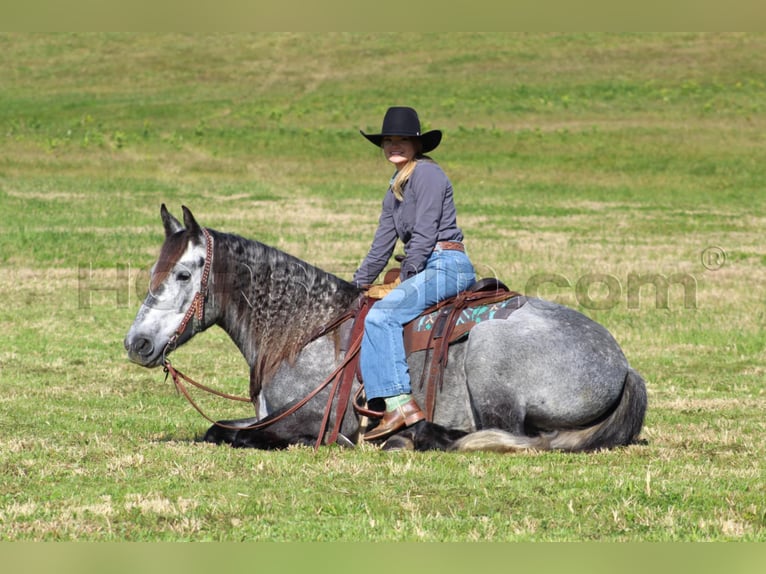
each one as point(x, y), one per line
point(364, 411)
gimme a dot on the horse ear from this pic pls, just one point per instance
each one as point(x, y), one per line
point(170, 223)
point(190, 222)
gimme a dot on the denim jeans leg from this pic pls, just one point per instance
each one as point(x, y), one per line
point(383, 362)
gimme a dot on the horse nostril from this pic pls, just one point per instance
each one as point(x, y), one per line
point(142, 347)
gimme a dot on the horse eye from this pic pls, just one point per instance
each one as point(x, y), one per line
point(183, 276)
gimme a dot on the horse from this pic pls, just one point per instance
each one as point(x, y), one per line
point(545, 377)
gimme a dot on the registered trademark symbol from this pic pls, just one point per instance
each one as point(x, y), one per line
point(713, 258)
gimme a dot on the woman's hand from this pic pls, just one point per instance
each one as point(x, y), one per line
point(380, 291)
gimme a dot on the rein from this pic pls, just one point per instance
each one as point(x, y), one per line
point(197, 310)
point(179, 377)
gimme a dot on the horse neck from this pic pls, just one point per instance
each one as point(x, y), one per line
point(269, 302)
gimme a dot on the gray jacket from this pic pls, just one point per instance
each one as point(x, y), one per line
point(425, 216)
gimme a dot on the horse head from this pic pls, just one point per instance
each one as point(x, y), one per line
point(173, 310)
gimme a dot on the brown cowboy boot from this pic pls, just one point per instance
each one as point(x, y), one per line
point(402, 416)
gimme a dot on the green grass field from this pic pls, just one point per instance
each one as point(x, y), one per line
point(585, 166)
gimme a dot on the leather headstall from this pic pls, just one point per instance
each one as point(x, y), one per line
point(197, 307)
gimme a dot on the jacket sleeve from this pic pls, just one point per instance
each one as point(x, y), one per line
point(382, 247)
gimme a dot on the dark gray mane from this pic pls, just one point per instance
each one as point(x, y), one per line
point(269, 302)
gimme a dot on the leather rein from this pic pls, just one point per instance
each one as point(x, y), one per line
point(197, 310)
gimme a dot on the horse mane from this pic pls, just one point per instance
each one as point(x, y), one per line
point(271, 302)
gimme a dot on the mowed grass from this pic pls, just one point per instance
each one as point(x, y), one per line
point(619, 174)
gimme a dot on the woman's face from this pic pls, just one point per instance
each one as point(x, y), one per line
point(399, 149)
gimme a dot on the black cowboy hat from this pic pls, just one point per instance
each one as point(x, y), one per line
point(403, 121)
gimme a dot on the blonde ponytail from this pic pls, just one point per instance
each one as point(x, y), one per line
point(403, 175)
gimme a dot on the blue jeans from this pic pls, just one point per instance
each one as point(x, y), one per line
point(383, 362)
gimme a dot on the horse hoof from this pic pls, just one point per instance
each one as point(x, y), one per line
point(219, 435)
point(344, 441)
point(399, 442)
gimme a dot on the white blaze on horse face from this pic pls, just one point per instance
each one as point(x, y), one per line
point(164, 308)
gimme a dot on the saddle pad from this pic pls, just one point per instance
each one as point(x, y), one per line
point(416, 333)
point(472, 315)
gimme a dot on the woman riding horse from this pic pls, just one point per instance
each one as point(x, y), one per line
point(419, 210)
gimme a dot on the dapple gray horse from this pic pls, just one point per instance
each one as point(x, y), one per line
point(545, 377)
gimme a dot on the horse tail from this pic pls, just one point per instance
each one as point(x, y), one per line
point(620, 428)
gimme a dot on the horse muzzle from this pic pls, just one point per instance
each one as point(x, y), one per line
point(142, 351)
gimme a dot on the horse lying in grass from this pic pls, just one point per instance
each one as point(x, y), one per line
point(544, 377)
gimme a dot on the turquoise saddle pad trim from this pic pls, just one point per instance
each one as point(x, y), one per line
point(471, 315)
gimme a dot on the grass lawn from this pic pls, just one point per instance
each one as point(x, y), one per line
point(620, 174)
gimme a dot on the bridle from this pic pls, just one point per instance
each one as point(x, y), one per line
point(195, 311)
point(197, 307)
point(341, 376)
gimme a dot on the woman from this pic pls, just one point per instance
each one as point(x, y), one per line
point(418, 208)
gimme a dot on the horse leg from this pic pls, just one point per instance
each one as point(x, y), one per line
point(424, 436)
point(236, 433)
point(225, 432)
point(300, 428)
